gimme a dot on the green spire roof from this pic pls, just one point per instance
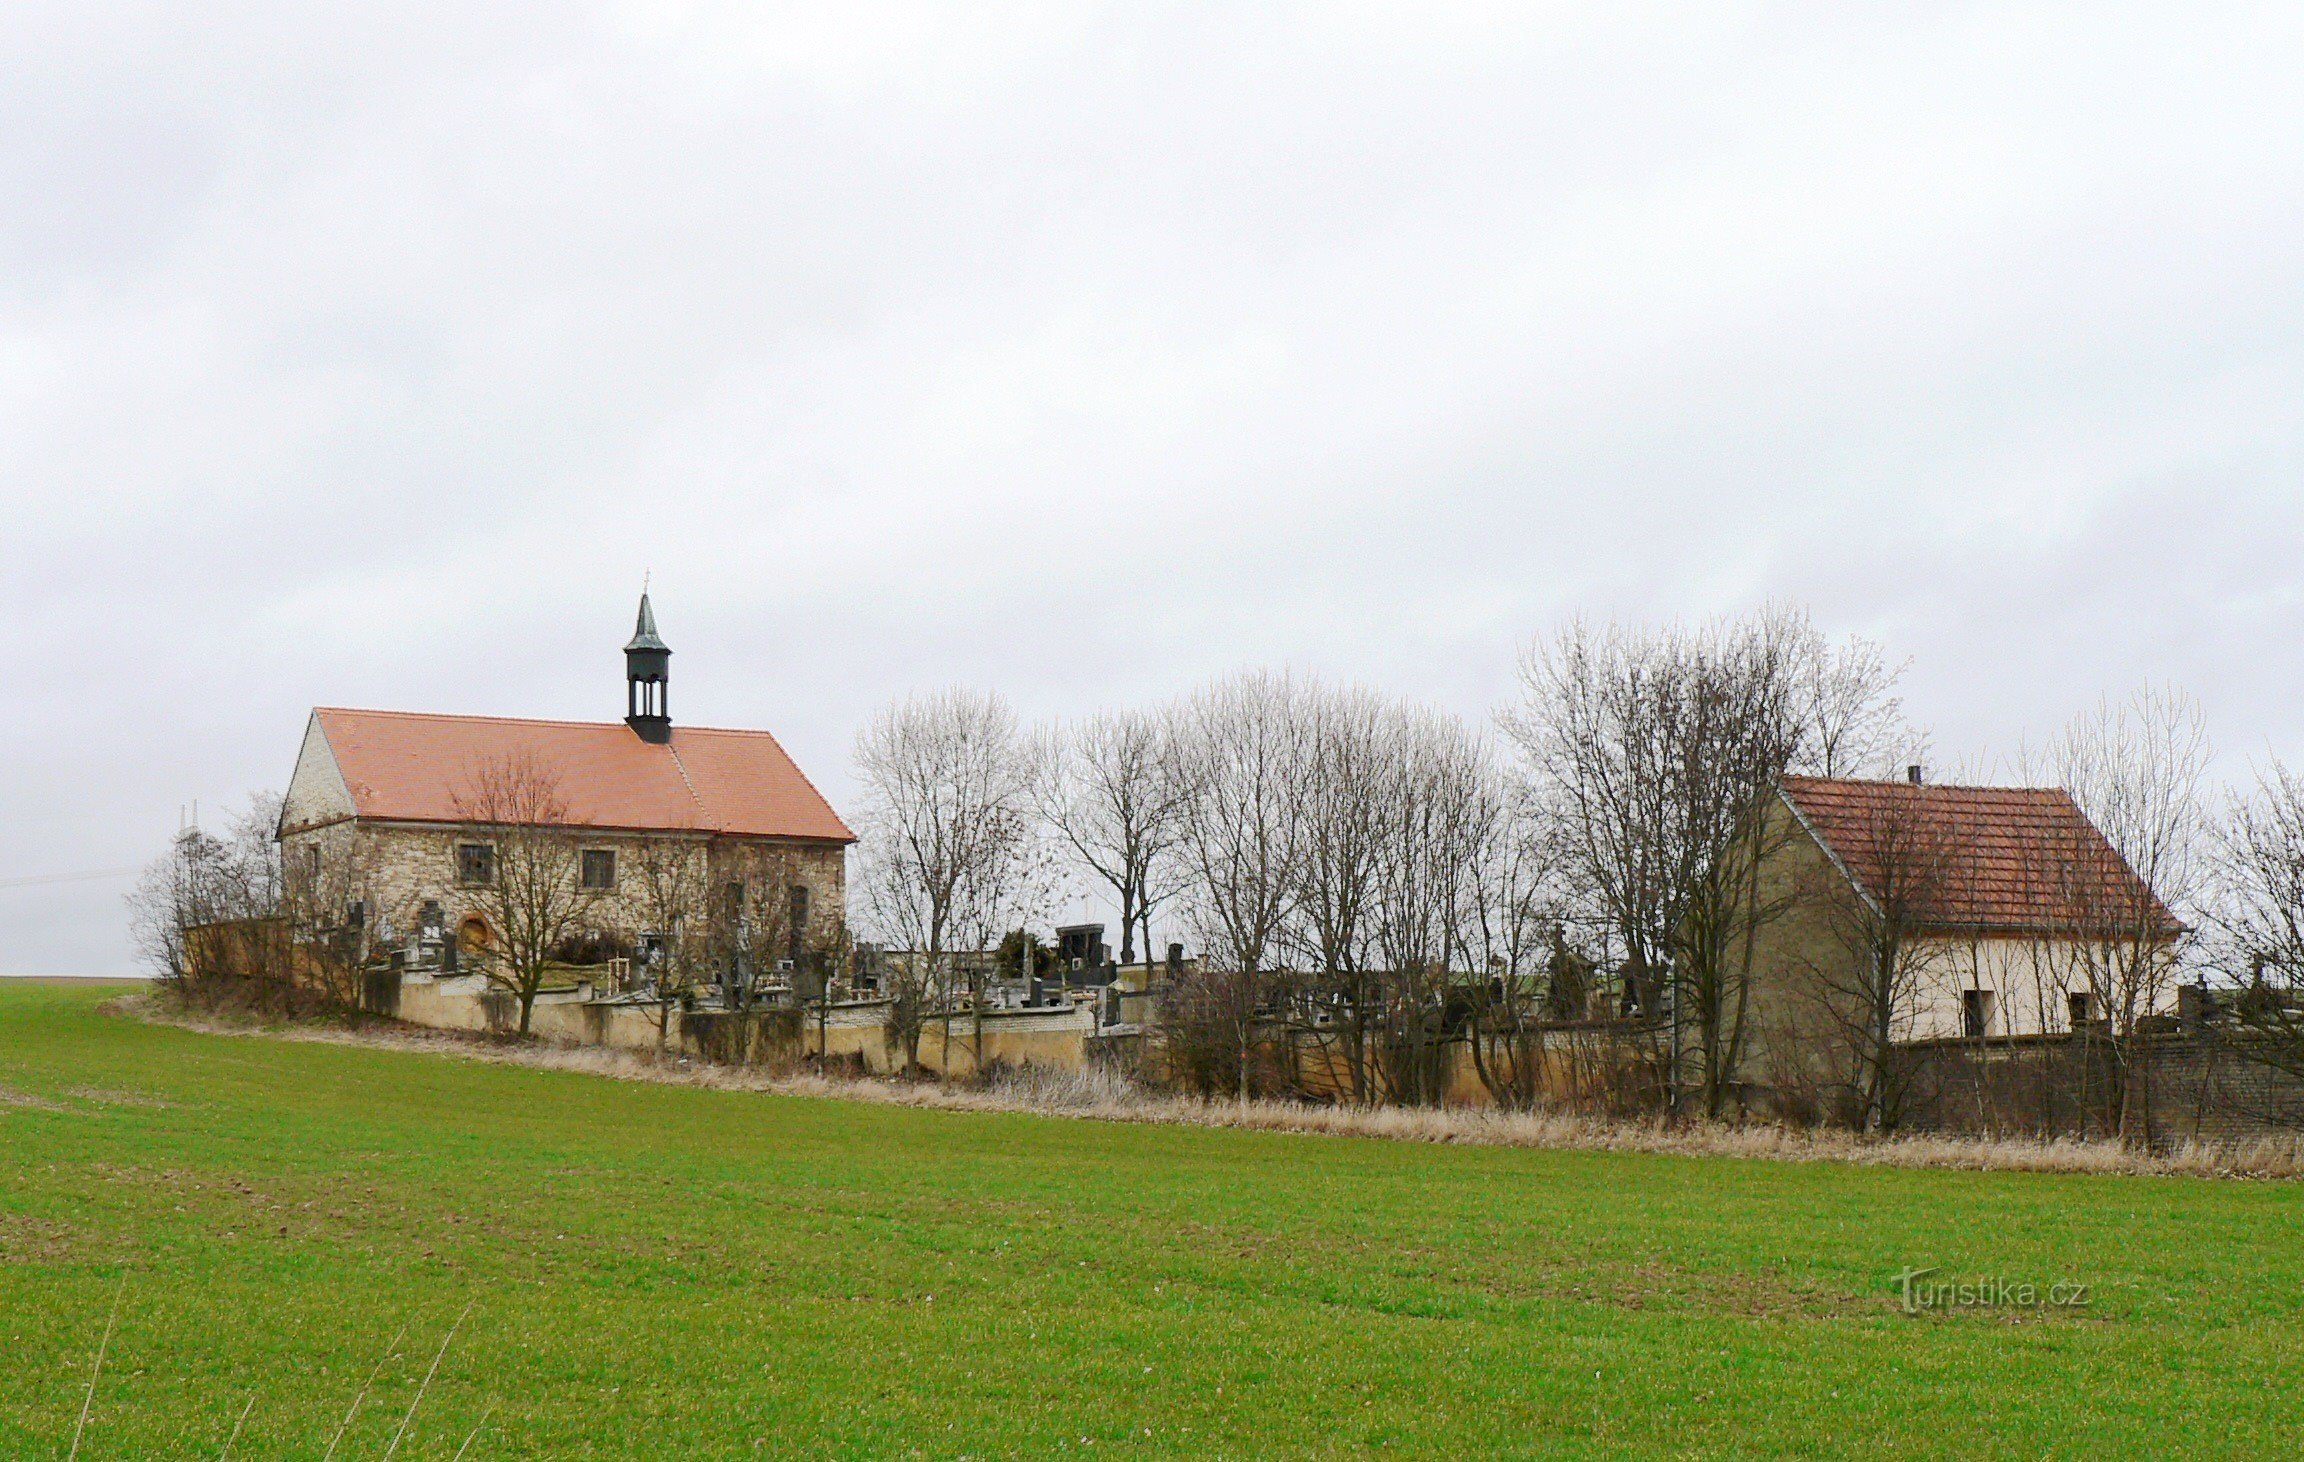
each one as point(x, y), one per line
point(644, 633)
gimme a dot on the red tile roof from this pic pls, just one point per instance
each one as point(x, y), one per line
point(2005, 860)
point(408, 767)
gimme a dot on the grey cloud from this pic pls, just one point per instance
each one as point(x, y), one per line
point(370, 357)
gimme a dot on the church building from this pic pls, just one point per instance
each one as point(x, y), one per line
point(688, 850)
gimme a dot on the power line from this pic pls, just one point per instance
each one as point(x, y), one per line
point(88, 877)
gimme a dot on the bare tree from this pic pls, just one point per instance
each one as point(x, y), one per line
point(835, 956)
point(210, 905)
point(253, 855)
point(2259, 913)
point(1345, 782)
point(666, 888)
point(1740, 731)
point(1845, 698)
point(2136, 770)
point(1515, 942)
point(1104, 787)
point(769, 924)
point(946, 847)
point(1656, 749)
point(331, 913)
point(775, 930)
point(1239, 748)
point(1441, 809)
point(1596, 735)
point(532, 900)
point(172, 897)
point(1903, 875)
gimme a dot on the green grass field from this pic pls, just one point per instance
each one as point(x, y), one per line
point(659, 1271)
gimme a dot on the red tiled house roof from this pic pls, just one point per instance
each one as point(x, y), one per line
point(2000, 860)
point(405, 767)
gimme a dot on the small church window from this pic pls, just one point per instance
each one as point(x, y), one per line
point(476, 864)
point(599, 869)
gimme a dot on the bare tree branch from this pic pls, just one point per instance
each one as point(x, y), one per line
point(532, 900)
point(947, 848)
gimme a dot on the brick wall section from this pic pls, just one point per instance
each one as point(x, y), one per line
point(2205, 1084)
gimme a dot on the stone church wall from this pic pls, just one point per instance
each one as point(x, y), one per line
point(395, 868)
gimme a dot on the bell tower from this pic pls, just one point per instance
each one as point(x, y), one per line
point(648, 680)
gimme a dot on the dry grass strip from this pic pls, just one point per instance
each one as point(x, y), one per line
point(1108, 1097)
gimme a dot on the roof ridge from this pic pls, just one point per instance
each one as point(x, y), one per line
point(463, 716)
point(536, 721)
point(2016, 787)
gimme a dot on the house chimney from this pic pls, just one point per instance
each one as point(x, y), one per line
point(1912, 773)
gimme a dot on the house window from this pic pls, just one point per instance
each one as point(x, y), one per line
point(599, 869)
point(1975, 1013)
point(2083, 1007)
point(476, 864)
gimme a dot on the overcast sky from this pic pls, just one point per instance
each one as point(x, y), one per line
point(369, 355)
